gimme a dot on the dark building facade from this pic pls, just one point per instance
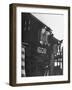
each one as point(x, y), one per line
point(42, 54)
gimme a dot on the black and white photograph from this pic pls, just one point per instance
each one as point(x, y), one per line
point(40, 49)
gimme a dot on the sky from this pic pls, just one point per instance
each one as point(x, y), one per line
point(54, 21)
